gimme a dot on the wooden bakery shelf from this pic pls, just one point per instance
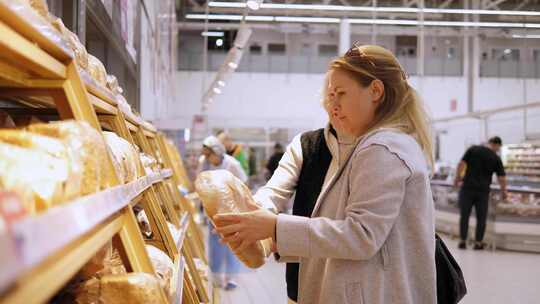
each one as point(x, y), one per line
point(40, 254)
point(45, 251)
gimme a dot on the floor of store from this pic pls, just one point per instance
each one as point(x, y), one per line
point(484, 272)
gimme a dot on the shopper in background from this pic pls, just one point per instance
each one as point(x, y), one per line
point(274, 159)
point(371, 235)
point(223, 263)
point(234, 150)
point(480, 162)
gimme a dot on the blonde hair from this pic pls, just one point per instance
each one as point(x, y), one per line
point(400, 106)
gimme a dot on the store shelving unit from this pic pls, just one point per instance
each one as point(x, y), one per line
point(40, 254)
point(522, 163)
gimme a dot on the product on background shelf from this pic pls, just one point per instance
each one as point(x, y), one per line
point(174, 232)
point(36, 176)
point(105, 262)
point(144, 224)
point(222, 192)
point(55, 148)
point(149, 163)
point(133, 288)
point(80, 136)
point(124, 154)
point(164, 267)
point(202, 268)
point(112, 84)
point(97, 70)
point(6, 121)
point(81, 55)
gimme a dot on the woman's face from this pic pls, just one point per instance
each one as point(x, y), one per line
point(350, 106)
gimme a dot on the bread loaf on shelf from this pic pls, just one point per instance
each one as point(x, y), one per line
point(37, 176)
point(55, 148)
point(222, 192)
point(164, 267)
point(80, 136)
point(81, 55)
point(97, 70)
point(124, 154)
point(133, 288)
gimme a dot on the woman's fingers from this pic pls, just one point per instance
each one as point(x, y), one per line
point(226, 218)
point(230, 229)
point(244, 245)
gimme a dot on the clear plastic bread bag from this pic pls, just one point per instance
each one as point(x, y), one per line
point(222, 192)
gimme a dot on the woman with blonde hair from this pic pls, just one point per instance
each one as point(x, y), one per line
point(370, 237)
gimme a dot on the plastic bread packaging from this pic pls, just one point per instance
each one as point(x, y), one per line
point(35, 13)
point(97, 70)
point(81, 55)
point(144, 224)
point(149, 163)
point(112, 84)
point(117, 155)
point(36, 176)
point(163, 265)
point(80, 136)
point(133, 288)
point(55, 148)
point(222, 192)
point(125, 154)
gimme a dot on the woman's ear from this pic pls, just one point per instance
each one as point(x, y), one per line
point(377, 90)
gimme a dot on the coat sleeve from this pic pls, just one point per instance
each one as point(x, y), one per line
point(280, 188)
point(376, 182)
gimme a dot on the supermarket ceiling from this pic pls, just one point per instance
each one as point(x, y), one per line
point(514, 14)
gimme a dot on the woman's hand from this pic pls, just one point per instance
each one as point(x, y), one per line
point(243, 229)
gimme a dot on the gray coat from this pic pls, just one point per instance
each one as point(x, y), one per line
point(371, 235)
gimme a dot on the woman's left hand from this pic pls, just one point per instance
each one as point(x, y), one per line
point(243, 229)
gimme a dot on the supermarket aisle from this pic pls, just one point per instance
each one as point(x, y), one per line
point(500, 277)
point(263, 286)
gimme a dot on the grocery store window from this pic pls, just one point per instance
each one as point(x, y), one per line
point(328, 49)
point(276, 48)
point(536, 55)
point(505, 54)
point(255, 49)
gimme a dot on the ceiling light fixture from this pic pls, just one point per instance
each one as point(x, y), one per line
point(254, 4)
point(213, 34)
point(367, 21)
point(320, 7)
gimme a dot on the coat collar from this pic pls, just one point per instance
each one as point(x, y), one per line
point(359, 141)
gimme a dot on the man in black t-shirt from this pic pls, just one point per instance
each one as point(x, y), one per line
point(481, 162)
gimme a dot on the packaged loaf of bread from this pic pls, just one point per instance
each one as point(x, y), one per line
point(163, 265)
point(106, 261)
point(55, 148)
point(112, 84)
point(222, 192)
point(35, 175)
point(81, 55)
point(133, 288)
point(40, 6)
point(81, 137)
point(97, 70)
point(125, 154)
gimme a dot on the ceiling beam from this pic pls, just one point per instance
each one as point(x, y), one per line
point(522, 5)
point(446, 4)
point(489, 4)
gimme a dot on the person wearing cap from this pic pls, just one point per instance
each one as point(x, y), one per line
point(234, 150)
point(223, 263)
point(480, 162)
